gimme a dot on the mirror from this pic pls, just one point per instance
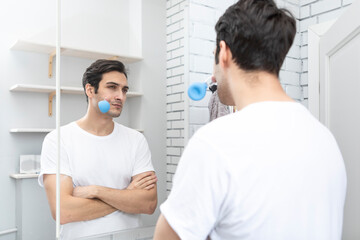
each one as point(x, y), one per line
point(91, 29)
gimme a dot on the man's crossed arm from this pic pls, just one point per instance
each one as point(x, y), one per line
point(91, 202)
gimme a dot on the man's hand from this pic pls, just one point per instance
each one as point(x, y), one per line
point(85, 191)
point(145, 181)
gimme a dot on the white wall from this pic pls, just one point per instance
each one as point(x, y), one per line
point(19, 110)
point(176, 33)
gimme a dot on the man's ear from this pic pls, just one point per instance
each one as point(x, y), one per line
point(225, 55)
point(89, 90)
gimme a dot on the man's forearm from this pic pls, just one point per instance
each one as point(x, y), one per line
point(163, 230)
point(74, 209)
point(130, 201)
point(139, 197)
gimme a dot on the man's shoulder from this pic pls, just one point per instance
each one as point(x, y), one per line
point(129, 132)
point(126, 129)
point(64, 130)
point(217, 126)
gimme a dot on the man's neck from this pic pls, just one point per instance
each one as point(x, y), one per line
point(99, 125)
point(248, 88)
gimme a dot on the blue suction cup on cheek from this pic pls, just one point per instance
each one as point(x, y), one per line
point(104, 106)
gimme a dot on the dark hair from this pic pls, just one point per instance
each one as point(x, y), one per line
point(258, 34)
point(93, 74)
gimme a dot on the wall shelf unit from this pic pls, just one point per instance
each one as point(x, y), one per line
point(43, 130)
point(26, 45)
point(24, 175)
point(31, 130)
point(50, 89)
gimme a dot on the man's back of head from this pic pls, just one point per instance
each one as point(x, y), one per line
point(258, 33)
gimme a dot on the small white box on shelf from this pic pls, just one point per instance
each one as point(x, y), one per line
point(29, 163)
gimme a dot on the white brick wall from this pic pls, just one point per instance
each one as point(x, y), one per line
point(289, 78)
point(200, 30)
point(292, 67)
point(201, 13)
point(175, 31)
point(320, 7)
point(202, 16)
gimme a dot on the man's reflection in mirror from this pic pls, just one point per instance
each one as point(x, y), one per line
point(107, 178)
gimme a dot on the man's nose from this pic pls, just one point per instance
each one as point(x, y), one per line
point(120, 95)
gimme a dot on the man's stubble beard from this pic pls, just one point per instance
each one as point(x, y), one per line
point(114, 115)
point(224, 92)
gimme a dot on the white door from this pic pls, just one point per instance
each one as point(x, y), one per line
point(339, 103)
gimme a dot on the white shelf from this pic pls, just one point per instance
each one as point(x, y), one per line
point(31, 130)
point(64, 89)
point(43, 130)
point(24, 175)
point(25, 45)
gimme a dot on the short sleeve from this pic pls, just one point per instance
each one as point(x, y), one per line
point(49, 158)
point(142, 157)
point(194, 205)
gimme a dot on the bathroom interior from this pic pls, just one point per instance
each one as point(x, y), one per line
point(166, 45)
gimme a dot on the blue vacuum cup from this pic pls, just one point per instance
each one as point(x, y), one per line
point(104, 106)
point(197, 91)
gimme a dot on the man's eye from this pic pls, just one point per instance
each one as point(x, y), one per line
point(113, 87)
point(125, 90)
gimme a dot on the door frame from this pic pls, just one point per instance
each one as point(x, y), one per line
point(325, 40)
point(318, 83)
point(315, 32)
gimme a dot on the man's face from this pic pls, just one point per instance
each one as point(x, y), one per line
point(223, 87)
point(113, 87)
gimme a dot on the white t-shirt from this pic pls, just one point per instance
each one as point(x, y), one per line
point(269, 171)
point(108, 161)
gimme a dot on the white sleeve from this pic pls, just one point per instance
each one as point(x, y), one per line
point(142, 157)
point(200, 184)
point(49, 158)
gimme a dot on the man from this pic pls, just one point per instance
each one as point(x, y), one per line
point(268, 171)
point(107, 178)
